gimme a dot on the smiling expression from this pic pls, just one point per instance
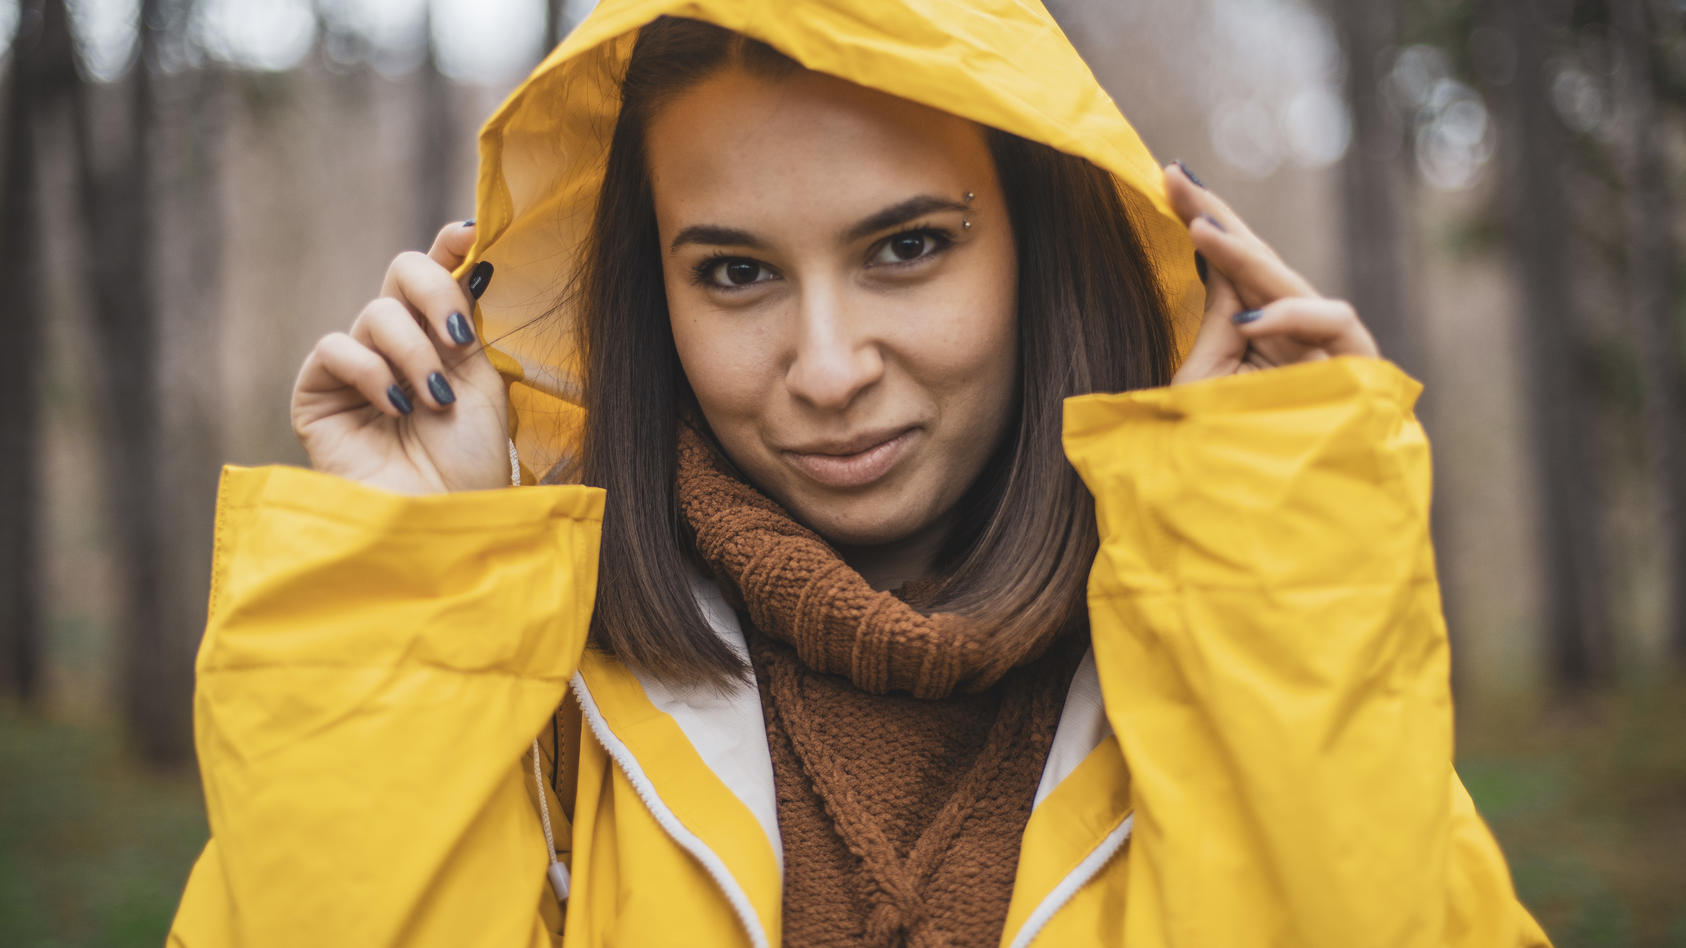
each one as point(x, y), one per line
point(851, 339)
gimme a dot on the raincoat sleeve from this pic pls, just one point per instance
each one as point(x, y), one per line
point(373, 669)
point(1273, 659)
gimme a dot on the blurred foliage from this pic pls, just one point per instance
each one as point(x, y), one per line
point(94, 849)
point(1589, 804)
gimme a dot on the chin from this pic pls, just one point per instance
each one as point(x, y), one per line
point(868, 520)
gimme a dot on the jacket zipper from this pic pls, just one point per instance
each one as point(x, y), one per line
point(665, 817)
point(1086, 870)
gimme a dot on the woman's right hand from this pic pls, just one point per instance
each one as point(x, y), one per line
point(407, 399)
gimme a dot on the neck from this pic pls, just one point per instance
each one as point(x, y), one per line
point(890, 566)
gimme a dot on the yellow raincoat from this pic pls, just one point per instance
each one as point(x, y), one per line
point(1257, 752)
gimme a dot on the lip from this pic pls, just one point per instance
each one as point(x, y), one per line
point(856, 462)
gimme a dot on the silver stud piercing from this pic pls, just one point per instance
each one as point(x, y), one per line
point(969, 197)
point(965, 225)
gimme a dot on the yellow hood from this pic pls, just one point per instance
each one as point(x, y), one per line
point(1002, 63)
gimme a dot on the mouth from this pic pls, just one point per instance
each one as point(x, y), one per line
point(853, 463)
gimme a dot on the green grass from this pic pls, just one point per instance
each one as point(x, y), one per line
point(1588, 801)
point(94, 850)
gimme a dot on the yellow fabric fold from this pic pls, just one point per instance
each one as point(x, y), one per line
point(373, 669)
point(1272, 657)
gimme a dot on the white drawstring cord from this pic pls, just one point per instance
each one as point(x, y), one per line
point(559, 877)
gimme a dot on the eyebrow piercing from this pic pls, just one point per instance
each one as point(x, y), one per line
point(969, 197)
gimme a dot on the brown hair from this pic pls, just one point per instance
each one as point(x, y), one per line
point(1091, 319)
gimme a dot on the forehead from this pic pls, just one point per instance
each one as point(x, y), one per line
point(740, 146)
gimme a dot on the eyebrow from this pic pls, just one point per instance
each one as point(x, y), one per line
point(892, 216)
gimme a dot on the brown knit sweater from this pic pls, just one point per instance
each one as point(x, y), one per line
point(906, 752)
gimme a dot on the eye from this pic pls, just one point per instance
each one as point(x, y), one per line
point(730, 273)
point(909, 246)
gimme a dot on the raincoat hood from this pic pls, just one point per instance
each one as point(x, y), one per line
point(1001, 63)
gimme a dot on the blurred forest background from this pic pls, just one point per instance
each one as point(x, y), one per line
point(194, 190)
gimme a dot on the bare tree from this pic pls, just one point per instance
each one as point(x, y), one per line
point(436, 141)
point(556, 25)
point(1372, 179)
point(191, 106)
point(1650, 257)
point(1541, 228)
point(116, 217)
point(1375, 227)
point(32, 79)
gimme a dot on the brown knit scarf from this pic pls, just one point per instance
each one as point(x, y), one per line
point(798, 590)
point(906, 753)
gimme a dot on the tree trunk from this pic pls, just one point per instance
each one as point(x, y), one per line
point(1566, 467)
point(1650, 301)
point(555, 25)
point(436, 146)
point(1373, 222)
point(190, 209)
point(1376, 228)
point(115, 206)
point(21, 279)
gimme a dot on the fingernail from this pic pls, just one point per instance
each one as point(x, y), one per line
point(1191, 175)
point(457, 326)
point(479, 278)
point(399, 400)
point(1214, 222)
point(468, 223)
point(1200, 267)
point(441, 389)
point(1247, 316)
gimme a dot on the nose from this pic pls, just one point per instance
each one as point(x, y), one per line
point(836, 358)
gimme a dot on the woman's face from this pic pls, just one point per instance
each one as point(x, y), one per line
point(851, 340)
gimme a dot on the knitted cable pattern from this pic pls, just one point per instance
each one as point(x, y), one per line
point(906, 749)
point(900, 887)
point(797, 589)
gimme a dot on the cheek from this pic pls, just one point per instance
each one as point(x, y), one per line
point(727, 363)
point(972, 358)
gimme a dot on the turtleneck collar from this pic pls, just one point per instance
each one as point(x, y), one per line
point(796, 588)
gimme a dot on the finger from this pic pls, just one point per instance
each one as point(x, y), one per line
point(1218, 345)
point(452, 244)
point(1192, 201)
point(387, 327)
point(425, 286)
point(450, 250)
point(338, 362)
point(1259, 276)
point(1203, 210)
point(1330, 325)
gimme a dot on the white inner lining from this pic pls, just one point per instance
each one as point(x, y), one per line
point(726, 728)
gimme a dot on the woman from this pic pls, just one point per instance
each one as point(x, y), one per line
point(816, 664)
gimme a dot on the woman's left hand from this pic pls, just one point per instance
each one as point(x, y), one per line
point(1259, 312)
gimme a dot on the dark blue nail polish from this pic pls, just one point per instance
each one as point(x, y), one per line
point(399, 400)
point(468, 223)
point(441, 389)
point(1214, 222)
point(1247, 316)
point(479, 277)
point(457, 325)
point(1191, 175)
